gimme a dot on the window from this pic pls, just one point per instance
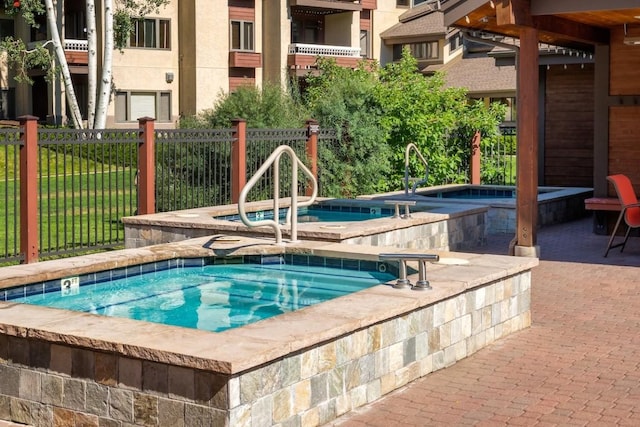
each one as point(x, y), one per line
point(307, 30)
point(407, 3)
point(420, 51)
point(455, 42)
point(364, 43)
point(241, 35)
point(131, 105)
point(510, 103)
point(151, 33)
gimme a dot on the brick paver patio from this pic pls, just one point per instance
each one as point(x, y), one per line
point(578, 364)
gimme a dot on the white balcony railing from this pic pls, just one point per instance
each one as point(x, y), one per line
point(68, 44)
point(77, 45)
point(323, 50)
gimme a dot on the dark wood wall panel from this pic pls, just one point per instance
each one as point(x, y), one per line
point(624, 65)
point(568, 148)
point(624, 143)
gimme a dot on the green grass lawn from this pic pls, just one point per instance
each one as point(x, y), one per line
point(81, 210)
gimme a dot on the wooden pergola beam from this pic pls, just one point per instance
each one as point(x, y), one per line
point(518, 13)
point(553, 7)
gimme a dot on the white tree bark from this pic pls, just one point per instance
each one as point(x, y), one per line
point(107, 64)
point(76, 117)
point(92, 76)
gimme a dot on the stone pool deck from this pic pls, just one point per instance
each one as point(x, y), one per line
point(576, 365)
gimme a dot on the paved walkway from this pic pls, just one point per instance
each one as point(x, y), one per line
point(578, 364)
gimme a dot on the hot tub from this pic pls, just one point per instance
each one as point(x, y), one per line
point(299, 368)
point(555, 204)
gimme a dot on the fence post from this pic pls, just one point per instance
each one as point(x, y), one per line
point(29, 188)
point(238, 159)
point(146, 167)
point(475, 159)
point(312, 150)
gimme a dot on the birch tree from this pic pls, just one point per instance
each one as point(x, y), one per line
point(119, 20)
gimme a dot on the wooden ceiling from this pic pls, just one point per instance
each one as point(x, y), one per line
point(572, 23)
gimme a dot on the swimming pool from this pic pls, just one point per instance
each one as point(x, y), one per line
point(206, 296)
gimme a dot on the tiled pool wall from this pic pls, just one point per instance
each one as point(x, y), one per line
point(502, 219)
point(44, 383)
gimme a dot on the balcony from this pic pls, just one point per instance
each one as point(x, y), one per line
point(245, 59)
point(303, 56)
point(76, 51)
point(327, 6)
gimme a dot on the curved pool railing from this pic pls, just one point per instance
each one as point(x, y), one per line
point(274, 160)
point(414, 147)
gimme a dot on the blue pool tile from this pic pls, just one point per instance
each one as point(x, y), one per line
point(15, 293)
point(87, 279)
point(34, 289)
point(103, 276)
point(333, 262)
point(300, 259)
point(317, 261)
point(368, 266)
point(350, 264)
point(52, 286)
point(149, 268)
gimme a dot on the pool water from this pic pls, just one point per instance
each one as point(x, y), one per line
point(212, 297)
point(325, 213)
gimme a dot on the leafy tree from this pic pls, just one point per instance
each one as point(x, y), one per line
point(439, 120)
point(266, 107)
point(118, 23)
point(343, 99)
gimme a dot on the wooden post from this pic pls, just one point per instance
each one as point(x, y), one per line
point(238, 159)
point(29, 189)
point(527, 128)
point(475, 159)
point(146, 167)
point(312, 150)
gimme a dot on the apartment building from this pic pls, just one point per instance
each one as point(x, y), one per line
point(177, 62)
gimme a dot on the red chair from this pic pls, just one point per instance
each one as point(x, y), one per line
point(630, 209)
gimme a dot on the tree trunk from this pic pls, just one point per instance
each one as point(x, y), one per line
point(92, 76)
point(105, 82)
point(76, 117)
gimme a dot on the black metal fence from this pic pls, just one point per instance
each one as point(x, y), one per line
point(87, 179)
point(9, 195)
point(193, 168)
point(86, 184)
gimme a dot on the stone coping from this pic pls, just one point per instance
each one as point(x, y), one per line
point(203, 218)
point(548, 194)
point(236, 350)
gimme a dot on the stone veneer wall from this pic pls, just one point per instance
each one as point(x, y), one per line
point(47, 384)
point(555, 211)
point(462, 232)
point(454, 234)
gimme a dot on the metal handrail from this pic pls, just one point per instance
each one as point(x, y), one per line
point(274, 160)
point(402, 258)
point(413, 146)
